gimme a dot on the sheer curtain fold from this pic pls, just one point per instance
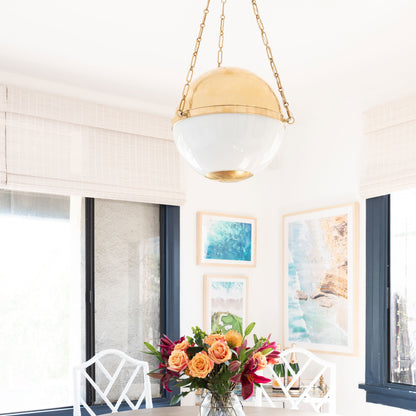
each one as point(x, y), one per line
point(389, 148)
point(64, 146)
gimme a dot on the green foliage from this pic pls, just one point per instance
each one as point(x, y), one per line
point(177, 397)
point(191, 351)
point(249, 328)
point(199, 336)
point(153, 351)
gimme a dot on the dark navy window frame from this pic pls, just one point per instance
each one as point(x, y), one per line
point(169, 298)
point(377, 363)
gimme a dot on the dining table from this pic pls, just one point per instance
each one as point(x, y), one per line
point(194, 411)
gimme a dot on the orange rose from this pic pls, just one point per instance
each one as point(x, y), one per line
point(201, 365)
point(182, 346)
point(178, 361)
point(210, 339)
point(219, 352)
point(233, 338)
point(261, 360)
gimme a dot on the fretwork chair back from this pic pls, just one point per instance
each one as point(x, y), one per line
point(127, 372)
point(318, 383)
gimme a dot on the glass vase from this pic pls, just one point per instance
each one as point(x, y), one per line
point(226, 404)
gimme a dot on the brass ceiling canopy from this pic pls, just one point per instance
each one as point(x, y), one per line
point(230, 90)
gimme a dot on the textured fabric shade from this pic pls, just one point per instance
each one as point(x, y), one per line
point(70, 147)
point(388, 161)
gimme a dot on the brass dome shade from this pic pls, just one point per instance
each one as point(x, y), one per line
point(230, 90)
point(242, 104)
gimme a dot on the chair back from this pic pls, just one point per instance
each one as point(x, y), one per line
point(81, 377)
point(319, 390)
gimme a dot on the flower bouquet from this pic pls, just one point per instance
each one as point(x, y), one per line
point(215, 362)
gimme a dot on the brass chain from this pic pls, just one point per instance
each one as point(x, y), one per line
point(193, 61)
point(221, 37)
point(290, 119)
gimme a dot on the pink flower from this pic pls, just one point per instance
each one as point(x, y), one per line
point(248, 377)
point(167, 346)
point(267, 344)
point(234, 366)
point(272, 357)
point(243, 346)
point(165, 376)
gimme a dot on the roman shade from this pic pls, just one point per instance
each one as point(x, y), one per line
point(389, 148)
point(60, 145)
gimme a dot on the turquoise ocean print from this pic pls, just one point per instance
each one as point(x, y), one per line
point(317, 281)
point(228, 240)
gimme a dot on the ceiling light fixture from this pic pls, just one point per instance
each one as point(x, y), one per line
point(229, 122)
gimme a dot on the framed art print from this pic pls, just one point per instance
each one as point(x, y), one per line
point(226, 240)
point(320, 279)
point(225, 303)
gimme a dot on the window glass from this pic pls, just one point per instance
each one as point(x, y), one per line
point(403, 287)
point(39, 300)
point(127, 285)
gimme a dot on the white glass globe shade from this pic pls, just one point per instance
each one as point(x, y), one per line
point(227, 142)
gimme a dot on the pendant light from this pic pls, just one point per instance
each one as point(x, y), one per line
point(229, 122)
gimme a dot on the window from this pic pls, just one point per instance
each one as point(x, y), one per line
point(391, 305)
point(403, 287)
point(127, 284)
point(39, 301)
point(130, 291)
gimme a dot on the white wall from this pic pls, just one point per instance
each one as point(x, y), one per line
point(245, 198)
point(318, 166)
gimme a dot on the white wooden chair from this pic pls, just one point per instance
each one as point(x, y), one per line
point(312, 367)
point(81, 376)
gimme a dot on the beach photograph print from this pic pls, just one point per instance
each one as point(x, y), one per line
point(319, 279)
point(225, 303)
point(226, 240)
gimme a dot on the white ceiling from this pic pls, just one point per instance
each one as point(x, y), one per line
point(137, 52)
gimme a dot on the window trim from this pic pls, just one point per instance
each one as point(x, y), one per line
point(90, 292)
point(378, 388)
point(169, 283)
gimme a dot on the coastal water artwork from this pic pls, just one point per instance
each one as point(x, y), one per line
point(319, 279)
point(224, 239)
point(225, 303)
